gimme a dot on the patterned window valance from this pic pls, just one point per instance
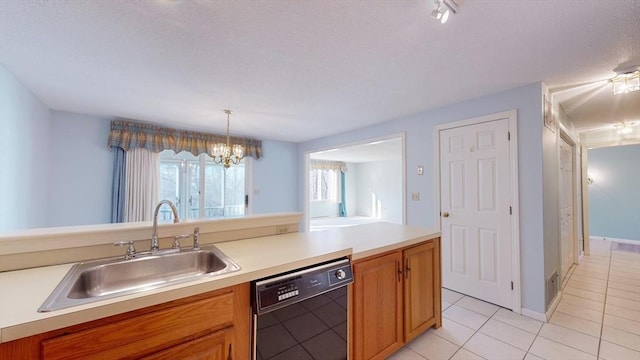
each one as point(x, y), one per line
point(131, 135)
point(328, 165)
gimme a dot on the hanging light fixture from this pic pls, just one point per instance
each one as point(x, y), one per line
point(627, 80)
point(225, 153)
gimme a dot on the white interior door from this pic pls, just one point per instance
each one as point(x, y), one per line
point(475, 208)
point(566, 207)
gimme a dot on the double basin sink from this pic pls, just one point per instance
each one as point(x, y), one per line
point(92, 281)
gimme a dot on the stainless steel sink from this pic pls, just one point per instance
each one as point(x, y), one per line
point(104, 279)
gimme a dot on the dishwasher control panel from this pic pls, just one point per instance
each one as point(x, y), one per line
point(280, 290)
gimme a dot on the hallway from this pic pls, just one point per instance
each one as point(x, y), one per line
point(597, 318)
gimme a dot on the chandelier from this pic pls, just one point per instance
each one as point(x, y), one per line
point(225, 153)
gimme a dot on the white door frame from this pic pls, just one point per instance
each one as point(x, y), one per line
point(564, 136)
point(585, 201)
point(306, 226)
point(512, 117)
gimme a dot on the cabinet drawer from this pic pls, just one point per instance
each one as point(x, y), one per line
point(216, 346)
point(143, 334)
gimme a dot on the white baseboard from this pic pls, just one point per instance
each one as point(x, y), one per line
point(603, 238)
point(554, 305)
point(534, 315)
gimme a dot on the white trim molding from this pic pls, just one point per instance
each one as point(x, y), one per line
point(624, 241)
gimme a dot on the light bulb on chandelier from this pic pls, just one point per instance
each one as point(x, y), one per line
point(225, 153)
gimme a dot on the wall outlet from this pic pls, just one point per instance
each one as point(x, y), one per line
point(282, 230)
point(415, 196)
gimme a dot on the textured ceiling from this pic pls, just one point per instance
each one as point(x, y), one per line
point(298, 70)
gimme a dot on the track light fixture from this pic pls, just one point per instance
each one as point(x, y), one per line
point(441, 13)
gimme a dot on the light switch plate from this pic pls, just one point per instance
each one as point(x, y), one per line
point(420, 170)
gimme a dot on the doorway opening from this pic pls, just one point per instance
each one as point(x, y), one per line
point(356, 183)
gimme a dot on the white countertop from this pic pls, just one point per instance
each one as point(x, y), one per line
point(23, 291)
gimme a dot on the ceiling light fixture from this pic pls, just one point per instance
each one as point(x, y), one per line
point(625, 128)
point(441, 13)
point(627, 80)
point(225, 153)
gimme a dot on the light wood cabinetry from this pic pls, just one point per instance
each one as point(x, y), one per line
point(396, 296)
point(207, 326)
point(216, 346)
point(377, 306)
point(422, 289)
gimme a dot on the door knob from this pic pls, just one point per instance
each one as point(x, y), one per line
point(445, 214)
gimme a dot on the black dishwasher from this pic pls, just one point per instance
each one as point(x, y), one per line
point(302, 314)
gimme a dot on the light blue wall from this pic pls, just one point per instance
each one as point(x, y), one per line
point(382, 180)
point(80, 185)
point(62, 169)
point(24, 149)
point(81, 170)
point(614, 196)
point(419, 143)
point(275, 178)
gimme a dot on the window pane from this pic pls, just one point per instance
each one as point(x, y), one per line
point(194, 190)
point(323, 185)
point(169, 187)
point(234, 191)
point(213, 185)
point(313, 185)
point(180, 181)
point(324, 195)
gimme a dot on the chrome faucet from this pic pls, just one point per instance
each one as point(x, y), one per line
point(155, 246)
point(196, 238)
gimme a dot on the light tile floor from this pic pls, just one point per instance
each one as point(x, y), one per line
point(597, 318)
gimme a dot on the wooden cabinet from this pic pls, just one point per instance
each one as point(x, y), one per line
point(207, 326)
point(396, 296)
point(422, 289)
point(377, 306)
point(216, 346)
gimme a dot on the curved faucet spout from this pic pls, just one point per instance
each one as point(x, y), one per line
point(155, 246)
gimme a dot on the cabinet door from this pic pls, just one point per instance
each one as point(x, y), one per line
point(421, 295)
point(216, 346)
point(141, 335)
point(377, 307)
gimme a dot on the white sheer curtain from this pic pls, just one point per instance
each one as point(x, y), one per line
point(141, 194)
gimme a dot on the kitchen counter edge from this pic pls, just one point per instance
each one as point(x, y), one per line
point(258, 257)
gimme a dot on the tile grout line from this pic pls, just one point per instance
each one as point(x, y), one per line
point(572, 272)
point(604, 306)
point(487, 335)
point(498, 320)
point(475, 331)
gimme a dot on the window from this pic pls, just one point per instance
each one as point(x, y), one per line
point(324, 185)
point(199, 187)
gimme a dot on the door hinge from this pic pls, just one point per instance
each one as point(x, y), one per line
point(510, 210)
point(246, 201)
point(508, 135)
point(512, 285)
